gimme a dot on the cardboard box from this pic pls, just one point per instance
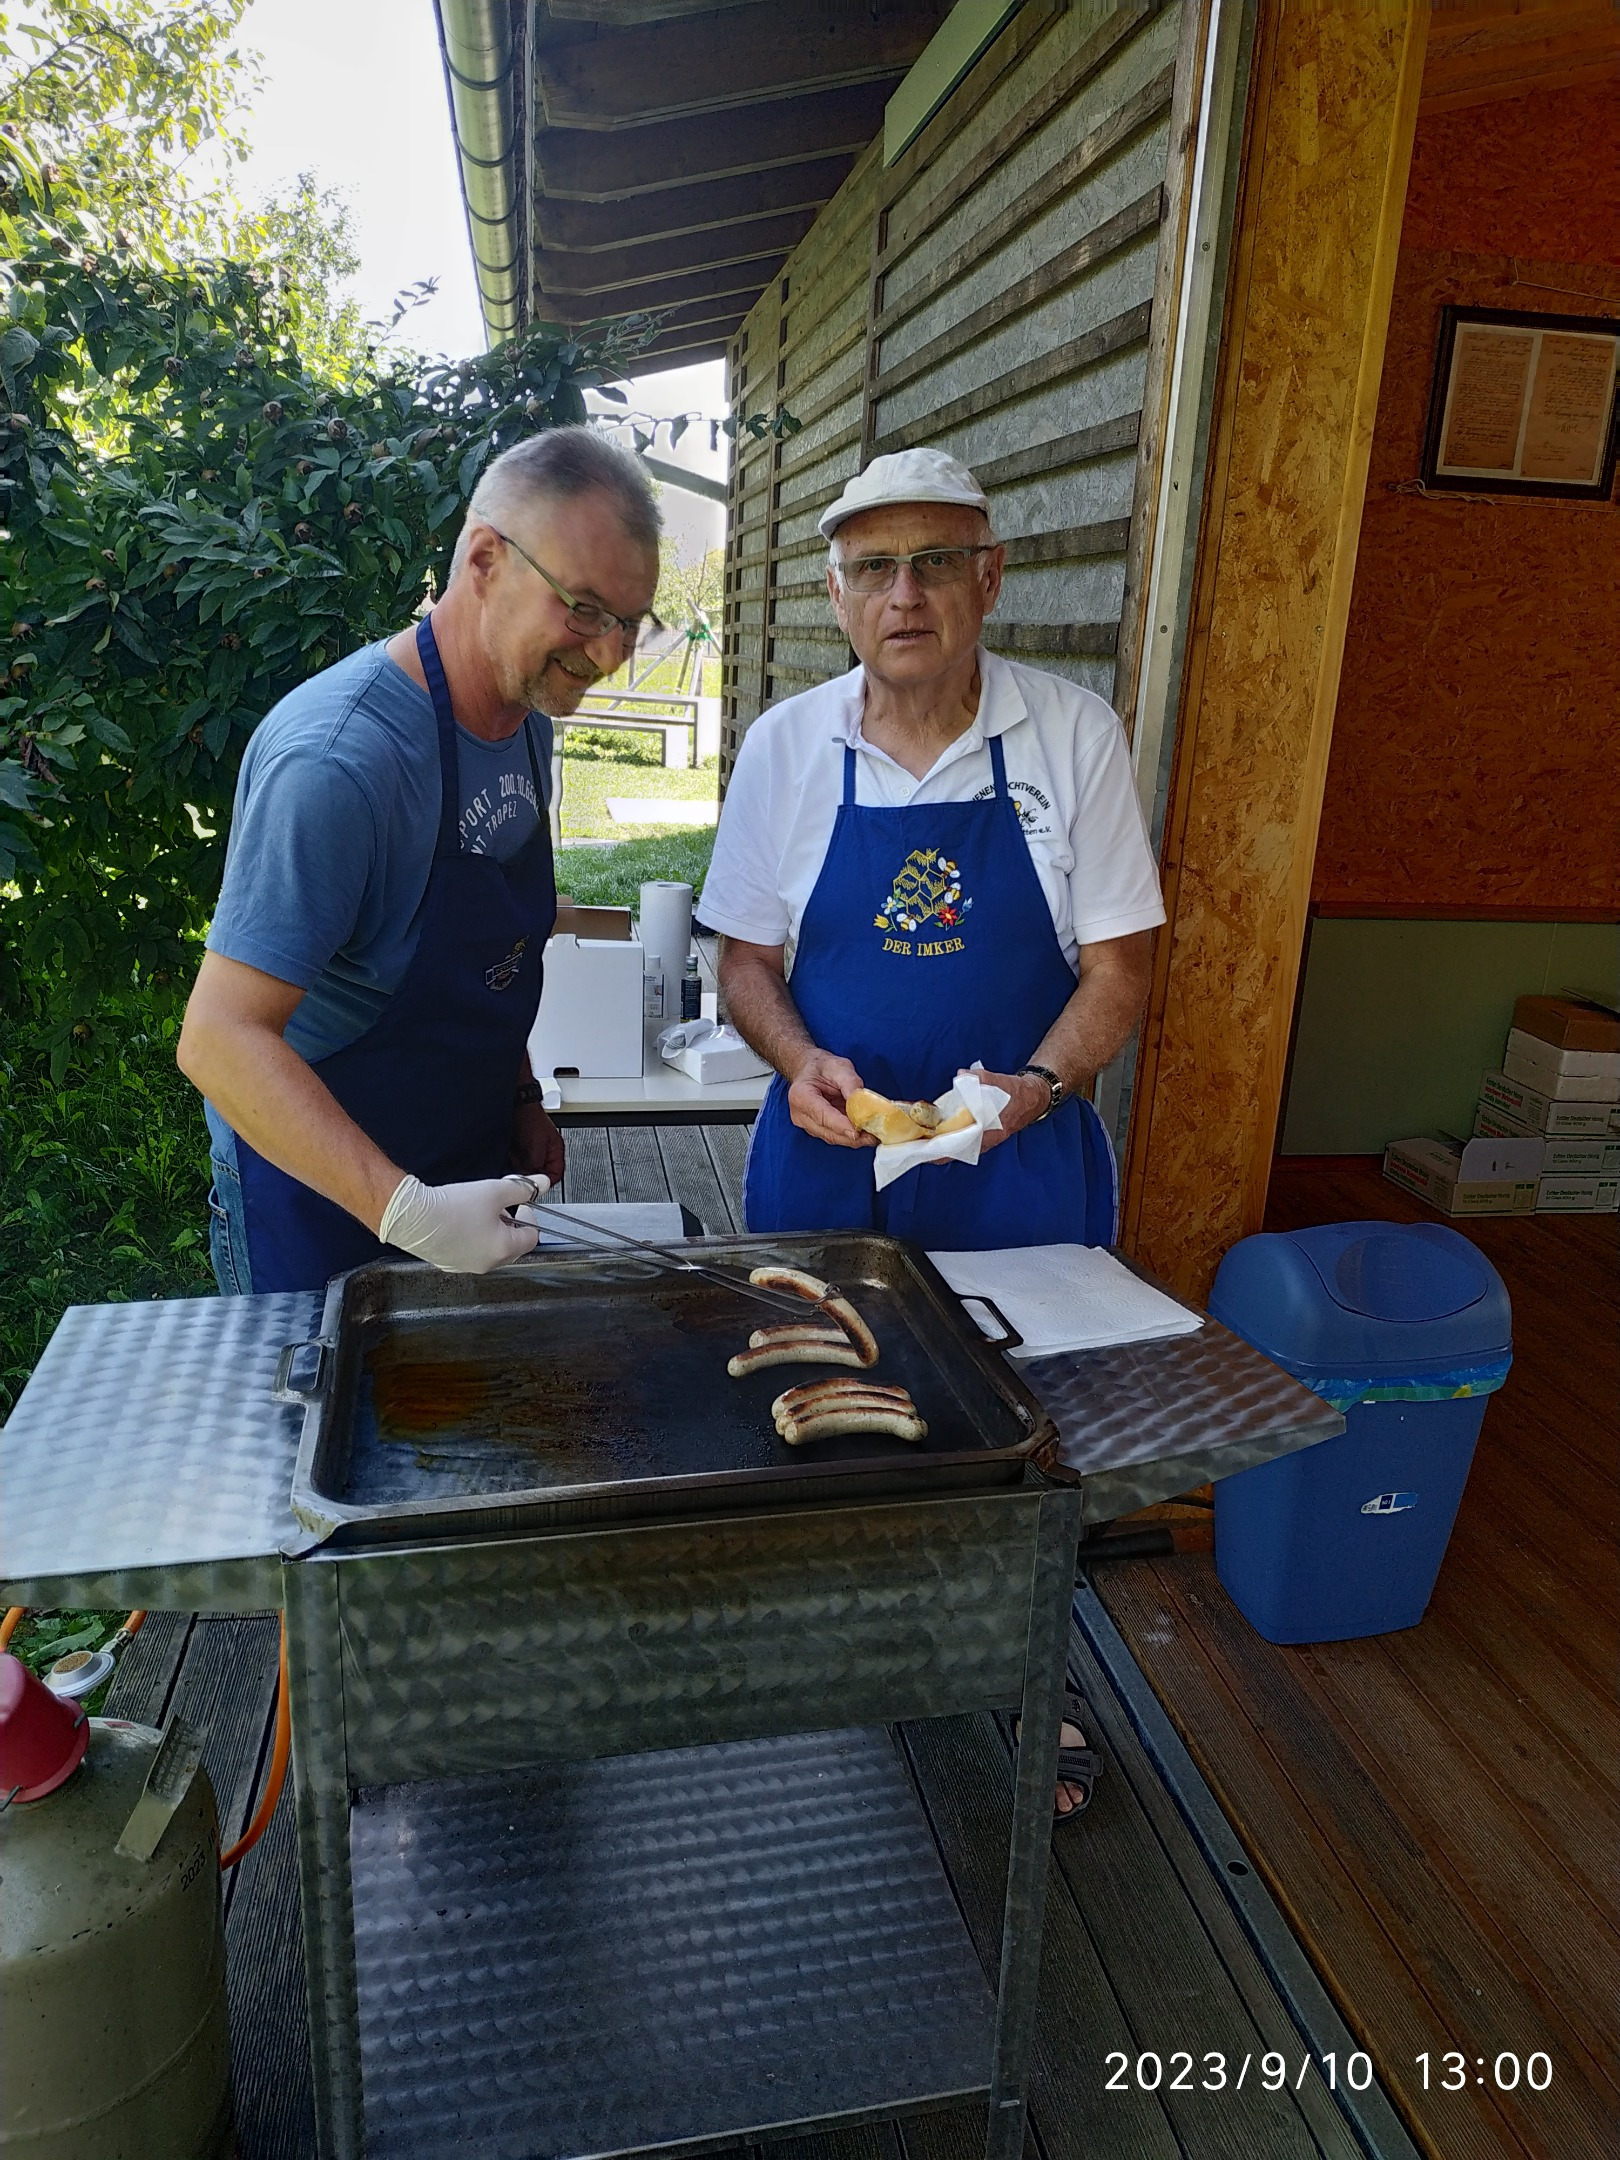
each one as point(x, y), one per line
point(590, 1021)
point(1433, 1169)
point(1542, 1112)
point(1577, 1195)
point(1571, 1023)
point(592, 922)
point(1566, 1075)
point(1598, 1157)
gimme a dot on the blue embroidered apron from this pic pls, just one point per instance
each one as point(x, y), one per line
point(431, 1081)
point(928, 943)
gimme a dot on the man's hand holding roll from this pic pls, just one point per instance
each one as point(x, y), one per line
point(818, 1087)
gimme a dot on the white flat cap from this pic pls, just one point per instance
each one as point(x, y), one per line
point(906, 476)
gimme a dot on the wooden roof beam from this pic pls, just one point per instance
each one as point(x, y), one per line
point(605, 77)
point(611, 269)
point(585, 227)
point(590, 166)
point(747, 280)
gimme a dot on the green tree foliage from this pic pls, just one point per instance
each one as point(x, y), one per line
point(211, 485)
point(690, 586)
point(194, 522)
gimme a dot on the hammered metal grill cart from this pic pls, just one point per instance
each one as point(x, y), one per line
point(604, 1842)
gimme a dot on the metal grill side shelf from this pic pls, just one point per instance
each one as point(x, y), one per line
point(145, 1462)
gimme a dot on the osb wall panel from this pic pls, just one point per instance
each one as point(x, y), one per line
point(1473, 748)
point(1535, 176)
point(1332, 117)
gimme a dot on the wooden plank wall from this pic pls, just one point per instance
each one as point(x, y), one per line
point(993, 293)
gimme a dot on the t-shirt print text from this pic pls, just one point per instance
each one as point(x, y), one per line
point(486, 814)
point(1034, 813)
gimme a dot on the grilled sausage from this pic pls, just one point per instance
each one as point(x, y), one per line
point(795, 1331)
point(794, 1398)
point(813, 1352)
point(833, 1424)
point(822, 1294)
point(821, 1402)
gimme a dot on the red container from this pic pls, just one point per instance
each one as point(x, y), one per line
point(42, 1738)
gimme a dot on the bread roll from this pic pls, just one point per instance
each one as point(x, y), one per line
point(890, 1122)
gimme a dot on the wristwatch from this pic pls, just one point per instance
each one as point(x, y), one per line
point(1054, 1084)
point(529, 1091)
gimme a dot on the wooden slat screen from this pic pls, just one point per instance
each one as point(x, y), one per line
point(993, 293)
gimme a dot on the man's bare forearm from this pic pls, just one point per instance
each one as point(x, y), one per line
point(280, 1106)
point(1095, 1024)
point(761, 1007)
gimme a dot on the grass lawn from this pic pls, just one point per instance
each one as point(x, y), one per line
point(104, 1178)
point(589, 781)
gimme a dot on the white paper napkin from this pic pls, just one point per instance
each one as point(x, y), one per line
point(970, 1093)
point(1066, 1297)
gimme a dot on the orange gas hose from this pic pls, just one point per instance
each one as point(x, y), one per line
point(8, 1626)
point(279, 1752)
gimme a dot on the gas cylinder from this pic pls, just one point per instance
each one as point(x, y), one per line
point(112, 1942)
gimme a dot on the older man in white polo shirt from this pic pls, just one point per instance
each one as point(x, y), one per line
point(933, 861)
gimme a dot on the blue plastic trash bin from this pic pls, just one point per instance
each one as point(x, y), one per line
point(1406, 1328)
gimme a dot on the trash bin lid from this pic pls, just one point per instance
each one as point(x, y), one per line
point(1397, 1271)
point(1365, 1297)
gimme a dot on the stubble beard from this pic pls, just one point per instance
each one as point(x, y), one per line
point(553, 689)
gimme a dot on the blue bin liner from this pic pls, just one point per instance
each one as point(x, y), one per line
point(1407, 1329)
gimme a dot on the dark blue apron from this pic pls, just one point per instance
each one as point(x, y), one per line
point(432, 1080)
point(926, 944)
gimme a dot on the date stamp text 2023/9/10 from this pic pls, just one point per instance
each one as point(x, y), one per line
point(1187, 2070)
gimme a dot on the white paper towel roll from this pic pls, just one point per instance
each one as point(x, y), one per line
point(666, 929)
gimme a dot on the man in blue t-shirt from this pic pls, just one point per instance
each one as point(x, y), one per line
point(357, 1028)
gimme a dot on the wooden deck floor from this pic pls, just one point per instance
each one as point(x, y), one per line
point(1436, 1811)
point(1144, 1952)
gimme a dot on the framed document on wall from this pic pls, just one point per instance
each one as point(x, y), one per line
point(1523, 404)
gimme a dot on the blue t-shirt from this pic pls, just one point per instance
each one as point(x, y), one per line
point(332, 838)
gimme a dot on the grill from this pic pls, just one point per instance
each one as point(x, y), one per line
point(592, 1386)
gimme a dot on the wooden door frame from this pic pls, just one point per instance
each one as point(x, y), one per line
point(1332, 115)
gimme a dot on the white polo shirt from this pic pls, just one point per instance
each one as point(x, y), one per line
point(1068, 771)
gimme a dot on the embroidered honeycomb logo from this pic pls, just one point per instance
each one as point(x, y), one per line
point(928, 889)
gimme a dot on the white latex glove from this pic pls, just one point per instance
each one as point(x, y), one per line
point(464, 1229)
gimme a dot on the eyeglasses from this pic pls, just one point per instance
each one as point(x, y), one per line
point(929, 566)
point(584, 616)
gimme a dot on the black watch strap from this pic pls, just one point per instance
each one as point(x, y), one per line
point(529, 1091)
point(1055, 1085)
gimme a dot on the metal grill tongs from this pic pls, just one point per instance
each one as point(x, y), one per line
point(588, 1235)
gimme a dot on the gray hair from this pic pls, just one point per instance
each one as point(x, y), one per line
point(558, 466)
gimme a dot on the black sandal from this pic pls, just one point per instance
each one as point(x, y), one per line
point(1081, 1766)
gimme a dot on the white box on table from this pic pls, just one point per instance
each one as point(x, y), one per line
point(590, 1018)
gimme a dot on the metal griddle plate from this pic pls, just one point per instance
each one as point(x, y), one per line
point(593, 1387)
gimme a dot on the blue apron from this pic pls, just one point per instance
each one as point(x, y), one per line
point(926, 944)
point(432, 1080)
